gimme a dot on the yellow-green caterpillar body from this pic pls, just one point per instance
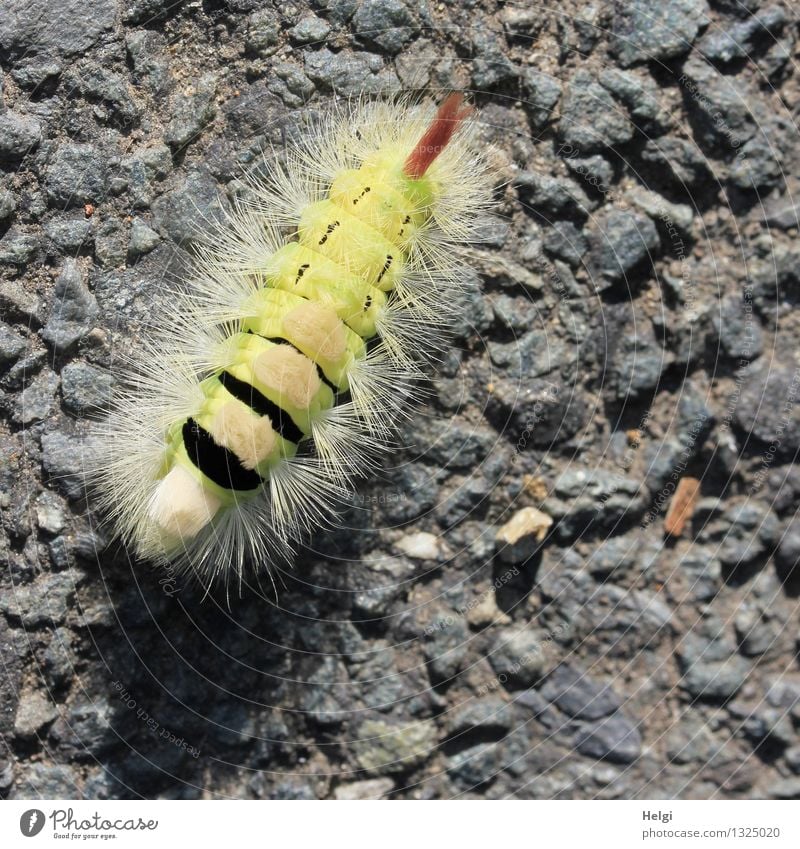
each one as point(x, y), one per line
point(293, 350)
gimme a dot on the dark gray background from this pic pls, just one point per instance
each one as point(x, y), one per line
point(631, 320)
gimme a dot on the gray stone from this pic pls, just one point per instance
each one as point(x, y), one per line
point(85, 387)
point(743, 532)
point(727, 113)
point(62, 458)
point(8, 205)
point(389, 747)
point(738, 328)
point(84, 728)
point(643, 32)
point(386, 24)
point(31, 75)
point(98, 83)
point(541, 92)
point(566, 242)
point(190, 110)
point(446, 644)
point(142, 169)
point(553, 196)
point(681, 156)
point(39, 781)
point(628, 620)
point(17, 247)
point(595, 171)
point(350, 74)
point(785, 788)
point(185, 212)
point(147, 51)
point(614, 739)
point(491, 67)
point(704, 573)
point(737, 41)
point(673, 219)
point(518, 657)
point(471, 768)
point(19, 134)
point(149, 11)
point(782, 211)
point(639, 93)
point(460, 446)
point(381, 686)
point(70, 234)
point(619, 556)
point(110, 243)
point(637, 362)
point(619, 241)
point(415, 492)
point(488, 714)
point(582, 498)
point(263, 33)
point(537, 414)
point(691, 740)
point(788, 551)
point(40, 27)
point(310, 30)
point(760, 163)
point(694, 420)
point(11, 344)
point(710, 666)
point(755, 632)
point(77, 175)
point(290, 84)
point(43, 602)
point(377, 602)
point(792, 758)
point(58, 665)
point(74, 309)
point(572, 690)
point(142, 239)
point(37, 399)
point(339, 11)
point(34, 712)
point(591, 119)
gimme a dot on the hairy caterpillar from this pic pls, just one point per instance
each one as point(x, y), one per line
point(295, 348)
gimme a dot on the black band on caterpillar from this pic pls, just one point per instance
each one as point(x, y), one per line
point(248, 394)
point(216, 462)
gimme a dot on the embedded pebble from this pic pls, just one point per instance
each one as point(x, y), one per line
point(74, 309)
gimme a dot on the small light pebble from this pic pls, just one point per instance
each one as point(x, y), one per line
point(519, 538)
point(373, 788)
point(421, 546)
point(50, 515)
point(34, 711)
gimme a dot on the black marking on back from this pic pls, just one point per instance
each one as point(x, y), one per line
point(386, 266)
point(248, 394)
point(356, 200)
point(301, 271)
point(216, 462)
point(328, 230)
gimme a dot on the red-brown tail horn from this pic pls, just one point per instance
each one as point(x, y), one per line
point(435, 139)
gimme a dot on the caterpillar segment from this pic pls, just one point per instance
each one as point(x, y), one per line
point(294, 354)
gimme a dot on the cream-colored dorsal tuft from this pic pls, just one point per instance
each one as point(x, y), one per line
point(180, 506)
point(250, 437)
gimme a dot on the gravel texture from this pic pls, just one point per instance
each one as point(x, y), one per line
point(631, 320)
